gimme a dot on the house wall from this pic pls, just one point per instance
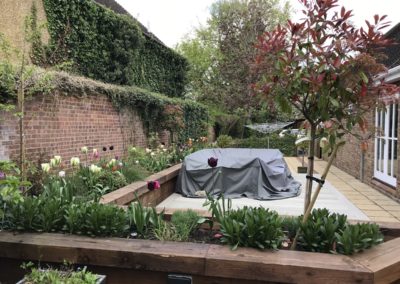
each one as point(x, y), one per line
point(349, 159)
point(12, 16)
point(61, 125)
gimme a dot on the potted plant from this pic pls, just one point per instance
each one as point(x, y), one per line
point(63, 275)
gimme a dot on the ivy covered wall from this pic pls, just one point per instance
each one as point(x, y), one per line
point(110, 47)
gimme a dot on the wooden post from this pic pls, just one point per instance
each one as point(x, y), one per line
point(310, 167)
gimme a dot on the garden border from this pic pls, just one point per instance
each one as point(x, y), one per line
point(380, 264)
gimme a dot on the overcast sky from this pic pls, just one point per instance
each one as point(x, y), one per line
point(170, 20)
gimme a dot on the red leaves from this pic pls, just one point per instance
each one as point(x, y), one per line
point(336, 62)
point(363, 91)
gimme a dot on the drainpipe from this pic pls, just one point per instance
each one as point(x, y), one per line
point(362, 163)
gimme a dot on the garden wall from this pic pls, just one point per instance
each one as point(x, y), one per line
point(61, 125)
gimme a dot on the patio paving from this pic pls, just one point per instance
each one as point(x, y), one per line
point(341, 193)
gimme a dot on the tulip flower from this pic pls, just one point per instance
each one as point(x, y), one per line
point(94, 169)
point(151, 185)
point(45, 167)
point(84, 150)
point(95, 153)
point(212, 162)
point(53, 162)
point(57, 160)
point(75, 161)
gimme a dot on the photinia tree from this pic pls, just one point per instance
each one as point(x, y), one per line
point(326, 69)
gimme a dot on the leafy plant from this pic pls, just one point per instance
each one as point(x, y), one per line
point(185, 222)
point(252, 227)
point(165, 231)
point(224, 141)
point(105, 220)
point(218, 207)
point(358, 237)
point(140, 218)
point(65, 275)
point(290, 225)
point(318, 233)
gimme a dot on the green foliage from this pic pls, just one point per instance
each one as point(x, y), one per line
point(222, 51)
point(358, 237)
point(10, 188)
point(326, 232)
point(150, 106)
point(64, 276)
point(252, 227)
point(290, 225)
point(105, 220)
point(185, 222)
point(140, 218)
point(110, 47)
point(318, 233)
point(285, 144)
point(159, 158)
point(224, 141)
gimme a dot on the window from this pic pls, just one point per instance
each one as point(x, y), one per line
point(386, 164)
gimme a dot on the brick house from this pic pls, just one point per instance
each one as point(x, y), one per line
point(379, 166)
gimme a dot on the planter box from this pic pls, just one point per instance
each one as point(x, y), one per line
point(101, 279)
point(150, 262)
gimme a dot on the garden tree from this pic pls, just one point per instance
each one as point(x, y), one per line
point(327, 69)
point(221, 52)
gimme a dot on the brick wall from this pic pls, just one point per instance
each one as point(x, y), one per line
point(61, 125)
point(349, 159)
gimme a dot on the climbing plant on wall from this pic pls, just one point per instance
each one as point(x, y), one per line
point(110, 47)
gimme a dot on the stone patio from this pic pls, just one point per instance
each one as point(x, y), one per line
point(341, 193)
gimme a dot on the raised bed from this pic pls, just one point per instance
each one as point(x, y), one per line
point(143, 261)
point(129, 193)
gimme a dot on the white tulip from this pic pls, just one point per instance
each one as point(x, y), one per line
point(45, 167)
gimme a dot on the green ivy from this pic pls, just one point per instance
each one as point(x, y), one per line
point(149, 105)
point(110, 47)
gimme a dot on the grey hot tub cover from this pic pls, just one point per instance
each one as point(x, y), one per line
point(254, 173)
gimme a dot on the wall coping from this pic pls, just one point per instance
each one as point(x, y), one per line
point(128, 193)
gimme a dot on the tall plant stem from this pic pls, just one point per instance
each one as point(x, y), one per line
point(21, 110)
point(317, 191)
point(310, 166)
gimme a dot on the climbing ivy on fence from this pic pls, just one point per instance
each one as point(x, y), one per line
point(110, 47)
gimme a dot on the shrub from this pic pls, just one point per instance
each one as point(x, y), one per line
point(318, 233)
point(358, 237)
point(224, 141)
point(252, 227)
point(284, 144)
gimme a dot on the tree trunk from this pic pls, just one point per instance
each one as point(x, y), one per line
point(310, 167)
point(21, 110)
point(316, 193)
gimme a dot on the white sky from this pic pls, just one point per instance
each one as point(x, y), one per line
point(170, 20)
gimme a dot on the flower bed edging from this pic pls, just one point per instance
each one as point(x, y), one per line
point(380, 264)
point(127, 194)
